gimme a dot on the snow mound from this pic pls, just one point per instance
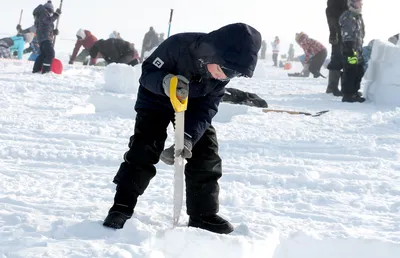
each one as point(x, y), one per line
point(382, 79)
point(194, 243)
point(227, 111)
point(121, 78)
point(119, 104)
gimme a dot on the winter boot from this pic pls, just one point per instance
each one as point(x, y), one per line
point(121, 211)
point(213, 223)
point(333, 83)
point(353, 98)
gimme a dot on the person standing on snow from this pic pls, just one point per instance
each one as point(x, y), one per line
point(352, 30)
point(333, 11)
point(115, 51)
point(44, 23)
point(150, 41)
point(315, 54)
point(204, 64)
point(263, 50)
point(275, 50)
point(15, 43)
point(86, 39)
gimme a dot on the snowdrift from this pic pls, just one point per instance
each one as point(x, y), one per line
point(382, 81)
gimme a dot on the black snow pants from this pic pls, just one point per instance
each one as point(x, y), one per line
point(45, 58)
point(202, 170)
point(316, 62)
point(275, 58)
point(336, 58)
point(352, 77)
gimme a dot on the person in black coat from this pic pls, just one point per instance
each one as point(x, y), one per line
point(114, 50)
point(334, 10)
point(204, 64)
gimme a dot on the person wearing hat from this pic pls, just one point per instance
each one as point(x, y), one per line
point(14, 44)
point(86, 39)
point(44, 24)
point(315, 54)
point(204, 64)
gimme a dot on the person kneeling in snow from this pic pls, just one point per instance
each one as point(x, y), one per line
point(115, 51)
point(204, 64)
point(15, 43)
point(86, 39)
point(315, 54)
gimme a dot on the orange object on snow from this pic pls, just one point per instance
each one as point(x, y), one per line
point(56, 66)
point(287, 66)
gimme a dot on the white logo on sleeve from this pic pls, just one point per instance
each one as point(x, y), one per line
point(158, 62)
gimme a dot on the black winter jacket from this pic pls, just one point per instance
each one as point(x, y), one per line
point(234, 46)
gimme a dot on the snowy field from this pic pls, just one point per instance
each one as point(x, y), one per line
point(294, 186)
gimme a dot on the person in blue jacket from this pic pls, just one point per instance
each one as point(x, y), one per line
point(14, 44)
point(204, 64)
point(34, 49)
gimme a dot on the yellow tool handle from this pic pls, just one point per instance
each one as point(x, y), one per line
point(179, 106)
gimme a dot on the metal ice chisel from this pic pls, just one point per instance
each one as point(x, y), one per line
point(179, 162)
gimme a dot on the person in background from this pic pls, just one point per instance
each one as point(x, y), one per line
point(353, 31)
point(334, 9)
point(275, 50)
point(86, 39)
point(291, 53)
point(263, 49)
point(44, 24)
point(315, 54)
point(115, 51)
point(14, 44)
point(115, 35)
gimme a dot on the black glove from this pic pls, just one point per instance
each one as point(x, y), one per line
point(182, 89)
point(19, 27)
point(58, 12)
point(27, 50)
point(55, 32)
point(333, 38)
point(168, 155)
point(15, 53)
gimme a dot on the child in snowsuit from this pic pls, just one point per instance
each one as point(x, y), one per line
point(44, 23)
point(275, 50)
point(86, 39)
point(115, 51)
point(352, 30)
point(315, 54)
point(334, 9)
point(204, 64)
point(14, 44)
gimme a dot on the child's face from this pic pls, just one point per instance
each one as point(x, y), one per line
point(358, 4)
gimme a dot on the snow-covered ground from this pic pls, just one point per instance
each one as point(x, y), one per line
point(294, 186)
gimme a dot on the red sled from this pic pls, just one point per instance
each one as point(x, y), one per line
point(56, 66)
